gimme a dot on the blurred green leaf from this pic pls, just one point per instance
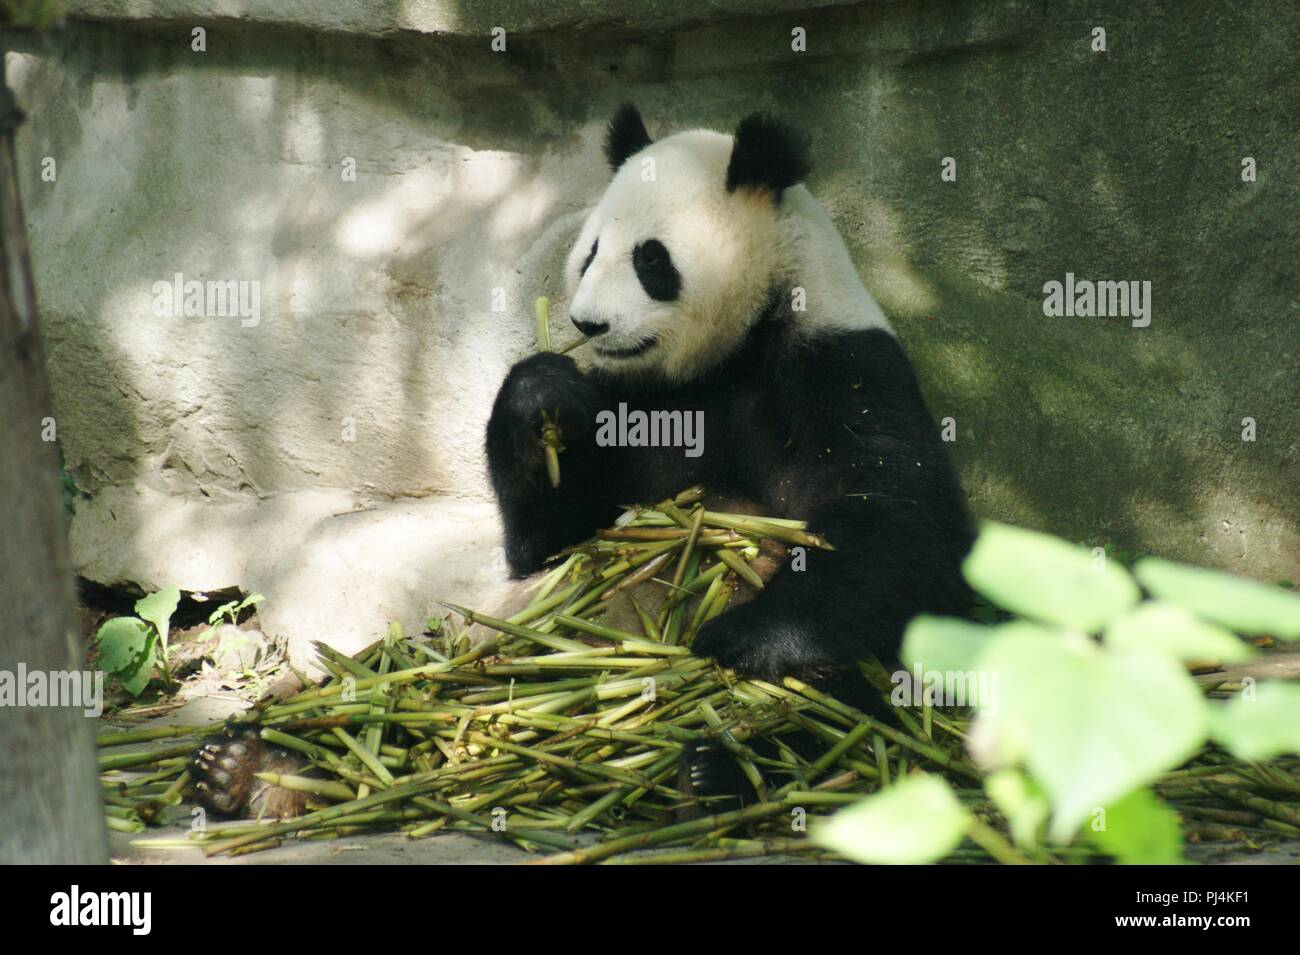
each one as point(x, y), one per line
point(945, 644)
point(916, 820)
point(1172, 631)
point(1140, 830)
point(1261, 724)
point(1089, 725)
point(1021, 801)
point(1247, 606)
point(1045, 578)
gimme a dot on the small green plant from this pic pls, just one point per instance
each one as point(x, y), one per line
point(130, 647)
point(1092, 704)
point(231, 611)
point(232, 640)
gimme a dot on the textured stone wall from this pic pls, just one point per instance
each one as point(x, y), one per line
point(221, 452)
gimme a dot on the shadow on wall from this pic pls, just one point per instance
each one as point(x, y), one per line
point(472, 172)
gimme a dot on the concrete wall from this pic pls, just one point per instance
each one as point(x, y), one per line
point(219, 454)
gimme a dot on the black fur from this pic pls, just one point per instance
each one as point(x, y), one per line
point(586, 263)
point(768, 154)
point(832, 430)
point(710, 775)
point(539, 520)
point(656, 272)
point(626, 135)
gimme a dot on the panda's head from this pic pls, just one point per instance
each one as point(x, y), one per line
point(677, 260)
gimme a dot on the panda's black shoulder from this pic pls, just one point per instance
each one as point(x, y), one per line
point(872, 361)
point(875, 354)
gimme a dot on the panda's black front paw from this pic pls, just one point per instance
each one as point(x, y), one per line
point(224, 772)
point(709, 776)
point(545, 383)
point(767, 640)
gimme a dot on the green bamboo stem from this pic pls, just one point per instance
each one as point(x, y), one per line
point(764, 528)
point(152, 733)
point(306, 784)
point(853, 716)
point(768, 847)
point(657, 837)
point(144, 758)
point(992, 842)
point(741, 568)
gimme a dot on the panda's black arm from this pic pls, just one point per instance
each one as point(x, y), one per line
point(862, 462)
point(537, 519)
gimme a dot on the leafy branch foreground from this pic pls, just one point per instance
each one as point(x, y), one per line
point(561, 734)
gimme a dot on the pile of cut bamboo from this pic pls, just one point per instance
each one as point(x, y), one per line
point(557, 727)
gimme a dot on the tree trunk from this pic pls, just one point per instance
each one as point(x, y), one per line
point(50, 804)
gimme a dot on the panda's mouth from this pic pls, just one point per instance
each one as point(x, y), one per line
point(638, 349)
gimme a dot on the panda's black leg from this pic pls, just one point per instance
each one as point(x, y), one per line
point(224, 772)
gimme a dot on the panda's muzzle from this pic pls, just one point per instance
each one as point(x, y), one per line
point(594, 330)
point(638, 349)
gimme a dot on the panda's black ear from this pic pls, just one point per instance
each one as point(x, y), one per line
point(769, 155)
point(626, 135)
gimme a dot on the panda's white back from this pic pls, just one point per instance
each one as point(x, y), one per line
point(820, 264)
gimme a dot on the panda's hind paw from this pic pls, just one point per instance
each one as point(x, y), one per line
point(710, 778)
point(224, 773)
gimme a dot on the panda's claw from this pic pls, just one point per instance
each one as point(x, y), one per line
point(225, 768)
point(710, 778)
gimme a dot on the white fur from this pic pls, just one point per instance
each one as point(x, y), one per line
point(729, 248)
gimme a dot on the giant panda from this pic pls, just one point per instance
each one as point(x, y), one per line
point(708, 279)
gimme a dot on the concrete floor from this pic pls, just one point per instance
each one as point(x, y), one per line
point(447, 848)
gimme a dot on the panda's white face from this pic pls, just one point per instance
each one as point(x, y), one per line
point(671, 268)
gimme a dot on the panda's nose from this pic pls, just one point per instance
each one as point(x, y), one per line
point(591, 329)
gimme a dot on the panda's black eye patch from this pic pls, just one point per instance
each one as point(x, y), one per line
point(656, 272)
point(590, 256)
